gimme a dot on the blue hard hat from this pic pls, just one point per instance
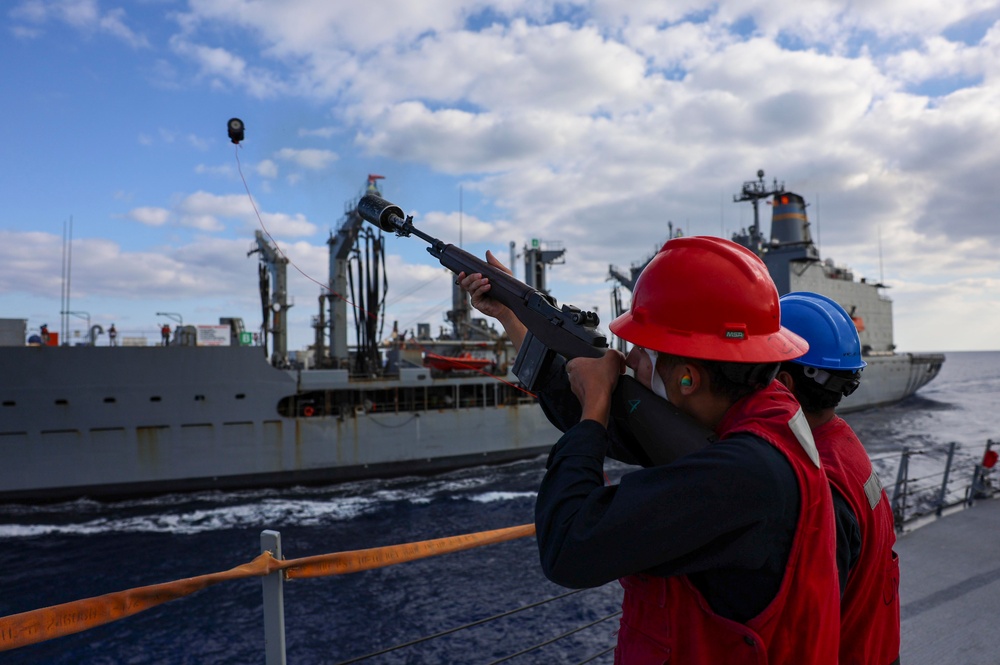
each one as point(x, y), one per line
point(829, 329)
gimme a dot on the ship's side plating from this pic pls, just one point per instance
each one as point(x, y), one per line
point(120, 421)
point(104, 421)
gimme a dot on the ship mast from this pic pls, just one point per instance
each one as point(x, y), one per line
point(276, 264)
point(754, 191)
point(356, 277)
point(342, 246)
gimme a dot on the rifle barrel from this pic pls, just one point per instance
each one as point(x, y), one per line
point(390, 218)
point(568, 331)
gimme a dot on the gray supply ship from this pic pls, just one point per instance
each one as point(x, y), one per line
point(114, 422)
point(794, 263)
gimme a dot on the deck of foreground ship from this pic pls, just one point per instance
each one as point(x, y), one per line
point(950, 589)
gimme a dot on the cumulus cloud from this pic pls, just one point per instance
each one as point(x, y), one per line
point(929, 311)
point(225, 69)
point(285, 225)
point(199, 269)
point(309, 158)
point(643, 106)
point(225, 170)
point(149, 216)
point(207, 212)
point(322, 132)
point(455, 225)
point(458, 141)
point(309, 26)
point(603, 124)
point(266, 168)
point(84, 15)
point(202, 209)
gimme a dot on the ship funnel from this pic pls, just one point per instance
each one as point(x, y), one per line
point(789, 223)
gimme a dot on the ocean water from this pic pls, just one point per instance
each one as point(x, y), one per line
point(958, 406)
point(57, 553)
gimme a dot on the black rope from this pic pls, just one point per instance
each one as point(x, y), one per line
point(596, 655)
point(458, 628)
point(371, 320)
point(554, 639)
point(385, 286)
point(359, 306)
point(402, 424)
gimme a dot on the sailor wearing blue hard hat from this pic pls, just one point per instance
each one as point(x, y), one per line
point(868, 567)
point(833, 360)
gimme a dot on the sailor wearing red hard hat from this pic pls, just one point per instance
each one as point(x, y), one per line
point(726, 555)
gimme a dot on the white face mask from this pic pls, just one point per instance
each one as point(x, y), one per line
point(655, 382)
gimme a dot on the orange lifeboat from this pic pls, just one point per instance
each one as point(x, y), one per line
point(449, 363)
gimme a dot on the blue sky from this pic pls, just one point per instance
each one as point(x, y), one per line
point(590, 123)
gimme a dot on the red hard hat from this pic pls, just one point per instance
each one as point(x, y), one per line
point(708, 298)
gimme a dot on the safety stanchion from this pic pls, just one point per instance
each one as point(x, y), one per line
point(19, 630)
point(274, 603)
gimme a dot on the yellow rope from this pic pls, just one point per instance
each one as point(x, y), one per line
point(18, 630)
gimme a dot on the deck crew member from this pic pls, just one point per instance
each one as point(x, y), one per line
point(727, 554)
point(868, 567)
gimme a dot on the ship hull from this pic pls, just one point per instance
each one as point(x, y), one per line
point(115, 422)
point(892, 378)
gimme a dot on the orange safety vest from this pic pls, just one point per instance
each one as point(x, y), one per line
point(667, 620)
point(869, 612)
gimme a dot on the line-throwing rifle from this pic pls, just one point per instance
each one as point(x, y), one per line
point(654, 430)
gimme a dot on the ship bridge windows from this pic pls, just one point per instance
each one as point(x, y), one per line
point(155, 398)
point(62, 402)
point(110, 400)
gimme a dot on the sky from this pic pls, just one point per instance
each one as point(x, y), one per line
point(596, 124)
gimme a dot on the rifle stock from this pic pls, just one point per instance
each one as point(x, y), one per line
point(651, 428)
point(567, 331)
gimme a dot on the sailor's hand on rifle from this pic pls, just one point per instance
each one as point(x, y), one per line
point(478, 286)
point(593, 380)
